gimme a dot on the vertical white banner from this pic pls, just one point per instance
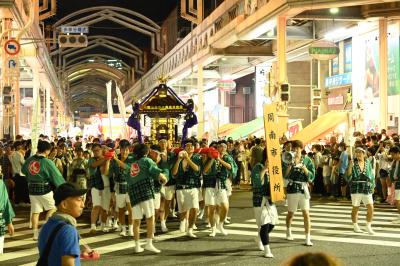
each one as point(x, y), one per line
point(109, 106)
point(35, 113)
point(48, 114)
point(122, 111)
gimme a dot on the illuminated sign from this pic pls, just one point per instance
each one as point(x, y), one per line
point(338, 80)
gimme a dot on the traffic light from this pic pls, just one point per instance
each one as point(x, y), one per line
point(7, 95)
point(72, 41)
point(285, 92)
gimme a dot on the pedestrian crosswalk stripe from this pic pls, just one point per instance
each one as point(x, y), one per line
point(315, 212)
point(347, 224)
point(347, 240)
point(322, 209)
point(349, 206)
point(130, 244)
point(33, 251)
point(318, 231)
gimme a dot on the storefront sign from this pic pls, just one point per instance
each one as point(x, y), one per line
point(271, 127)
point(338, 80)
point(336, 100)
point(226, 85)
point(323, 50)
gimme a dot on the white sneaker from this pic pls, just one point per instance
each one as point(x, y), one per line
point(138, 248)
point(164, 228)
point(35, 235)
point(104, 229)
point(115, 224)
point(194, 227)
point(227, 220)
point(174, 214)
point(182, 226)
point(208, 225)
point(221, 229)
point(259, 243)
point(190, 233)
point(213, 232)
point(357, 229)
point(150, 247)
point(268, 253)
point(123, 232)
point(370, 230)
point(308, 243)
point(289, 235)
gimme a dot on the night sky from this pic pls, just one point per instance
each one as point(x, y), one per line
point(156, 10)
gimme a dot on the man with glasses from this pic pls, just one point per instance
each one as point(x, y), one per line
point(186, 171)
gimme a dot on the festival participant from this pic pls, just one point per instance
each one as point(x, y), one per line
point(227, 168)
point(259, 189)
point(265, 212)
point(41, 174)
point(298, 175)
point(21, 185)
point(187, 173)
point(100, 187)
point(395, 177)
point(154, 154)
point(78, 170)
point(210, 172)
point(362, 182)
point(6, 214)
point(168, 190)
point(141, 193)
point(118, 172)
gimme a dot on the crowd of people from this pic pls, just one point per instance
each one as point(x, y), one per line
point(128, 181)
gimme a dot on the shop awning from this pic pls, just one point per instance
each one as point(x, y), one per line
point(227, 129)
point(320, 127)
point(247, 129)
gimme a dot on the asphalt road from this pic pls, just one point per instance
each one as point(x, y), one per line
point(331, 233)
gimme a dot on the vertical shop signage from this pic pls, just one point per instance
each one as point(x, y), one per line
point(348, 52)
point(271, 127)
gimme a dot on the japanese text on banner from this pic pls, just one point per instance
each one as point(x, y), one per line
point(271, 127)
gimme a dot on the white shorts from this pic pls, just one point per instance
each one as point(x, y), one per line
point(169, 192)
point(122, 200)
point(145, 208)
point(41, 203)
point(297, 200)
point(187, 199)
point(215, 196)
point(157, 200)
point(201, 198)
point(101, 198)
point(356, 199)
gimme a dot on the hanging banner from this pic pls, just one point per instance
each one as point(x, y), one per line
point(35, 120)
point(271, 127)
point(109, 107)
point(122, 111)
